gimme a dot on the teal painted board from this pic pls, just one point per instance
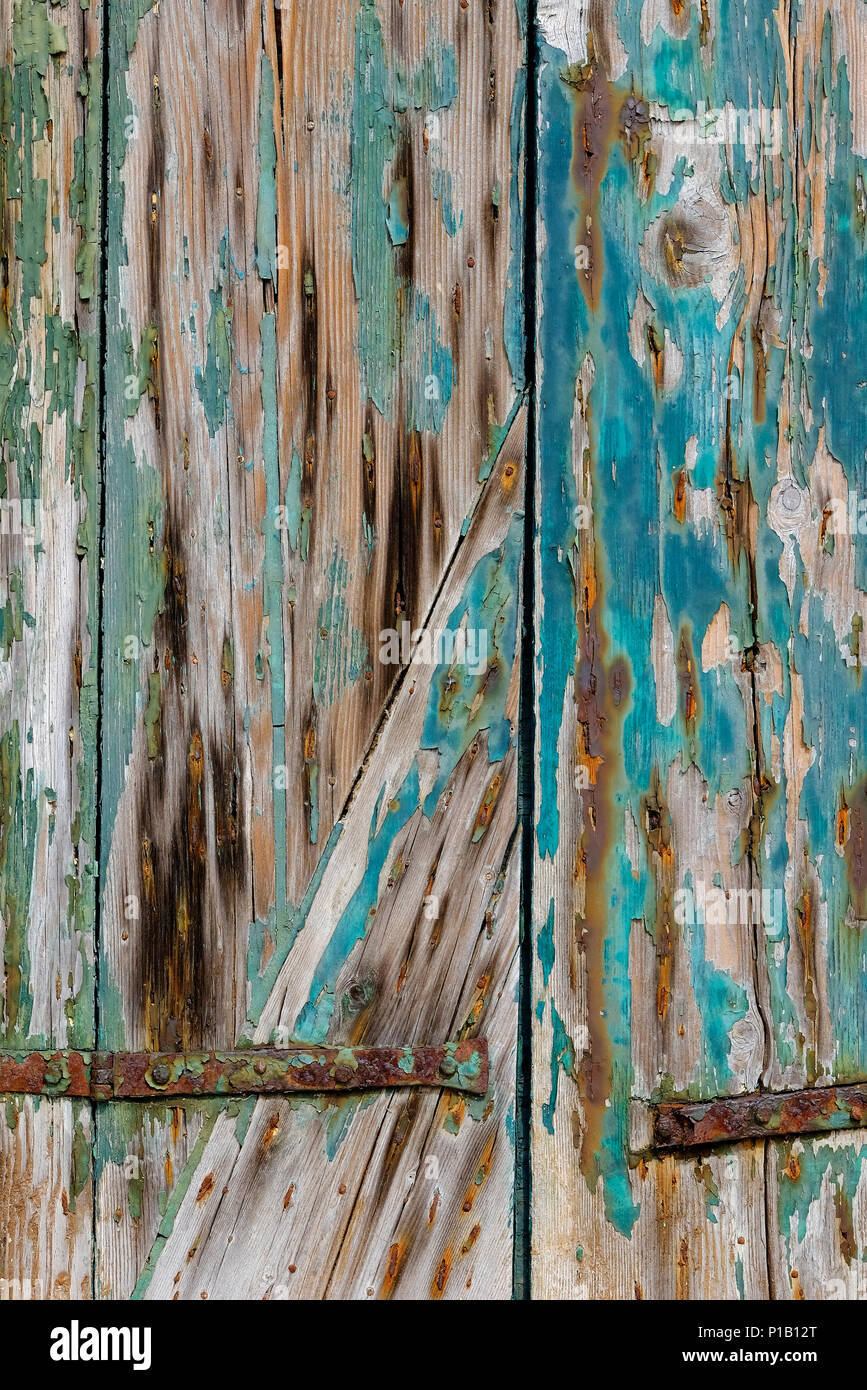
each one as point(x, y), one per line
point(697, 895)
point(50, 155)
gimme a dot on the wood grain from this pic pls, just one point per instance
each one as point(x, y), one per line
point(314, 355)
point(412, 932)
point(50, 123)
point(703, 724)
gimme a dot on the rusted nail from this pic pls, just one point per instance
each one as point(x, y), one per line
point(667, 1127)
point(259, 1066)
point(53, 1074)
point(448, 1066)
point(161, 1074)
point(343, 1075)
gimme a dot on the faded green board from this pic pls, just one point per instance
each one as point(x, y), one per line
point(50, 121)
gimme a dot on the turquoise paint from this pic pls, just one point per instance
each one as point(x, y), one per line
point(545, 945)
point(441, 187)
point(397, 213)
point(490, 603)
point(294, 513)
point(514, 336)
point(453, 719)
point(816, 1162)
point(562, 1057)
point(396, 326)
point(266, 210)
point(282, 931)
point(641, 548)
point(340, 655)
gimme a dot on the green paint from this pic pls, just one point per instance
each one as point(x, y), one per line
point(173, 1205)
point(340, 655)
point(213, 384)
point(18, 823)
point(141, 377)
point(80, 1170)
point(396, 326)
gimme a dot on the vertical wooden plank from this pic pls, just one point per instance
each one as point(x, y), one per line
point(812, 612)
point(650, 776)
point(50, 122)
point(723, 149)
point(315, 353)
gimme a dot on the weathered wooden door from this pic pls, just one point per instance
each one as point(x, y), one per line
point(292, 296)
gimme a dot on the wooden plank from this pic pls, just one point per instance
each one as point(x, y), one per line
point(719, 267)
point(316, 349)
point(413, 929)
point(50, 122)
point(645, 749)
point(812, 611)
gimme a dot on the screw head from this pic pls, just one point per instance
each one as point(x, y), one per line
point(764, 1113)
point(343, 1075)
point(161, 1074)
point(448, 1066)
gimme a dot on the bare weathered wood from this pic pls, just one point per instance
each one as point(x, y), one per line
point(50, 119)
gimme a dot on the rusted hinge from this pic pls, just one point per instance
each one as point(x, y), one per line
point(762, 1115)
point(102, 1076)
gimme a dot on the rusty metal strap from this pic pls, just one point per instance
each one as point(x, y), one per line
point(104, 1076)
point(764, 1115)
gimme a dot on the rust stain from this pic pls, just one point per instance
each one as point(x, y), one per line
point(392, 1269)
point(444, 1269)
point(206, 1188)
point(656, 819)
point(602, 689)
point(486, 809)
point(690, 694)
point(271, 1131)
point(471, 1239)
point(856, 849)
point(595, 127)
